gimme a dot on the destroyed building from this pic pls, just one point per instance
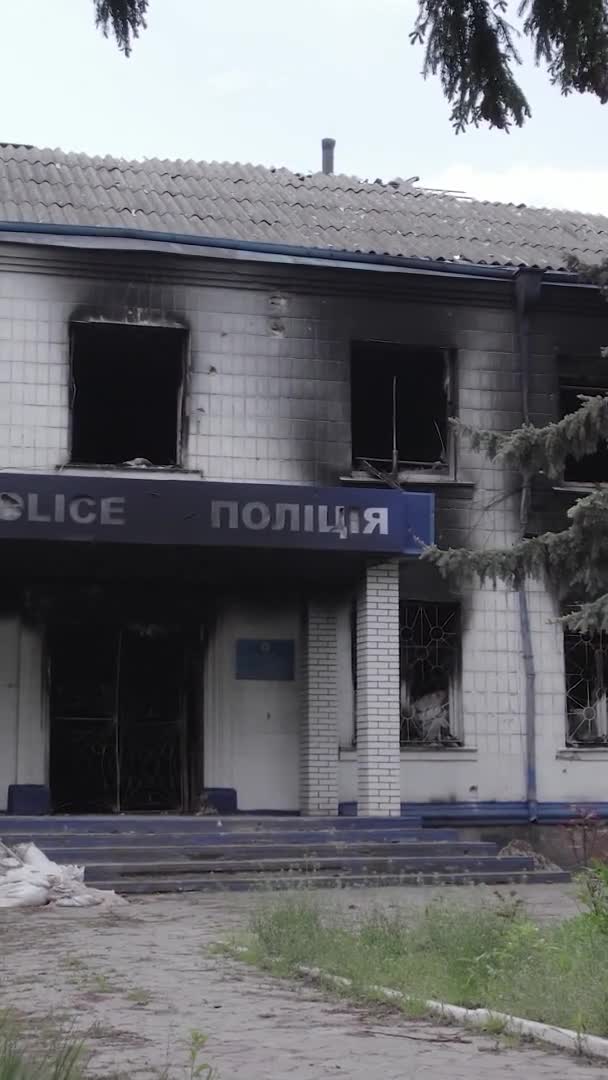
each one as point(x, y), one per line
point(225, 395)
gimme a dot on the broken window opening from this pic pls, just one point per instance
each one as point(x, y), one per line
point(400, 402)
point(593, 468)
point(586, 661)
point(430, 667)
point(126, 394)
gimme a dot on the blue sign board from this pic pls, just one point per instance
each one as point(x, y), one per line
point(272, 661)
point(171, 510)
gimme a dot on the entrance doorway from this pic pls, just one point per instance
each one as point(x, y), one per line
point(119, 704)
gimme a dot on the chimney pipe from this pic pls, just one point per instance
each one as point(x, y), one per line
point(328, 146)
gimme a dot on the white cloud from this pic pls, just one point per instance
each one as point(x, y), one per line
point(536, 185)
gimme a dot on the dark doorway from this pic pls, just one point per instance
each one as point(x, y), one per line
point(118, 719)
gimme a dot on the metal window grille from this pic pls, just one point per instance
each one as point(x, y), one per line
point(586, 660)
point(430, 663)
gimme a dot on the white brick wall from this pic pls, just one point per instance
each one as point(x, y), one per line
point(319, 726)
point(378, 757)
point(493, 705)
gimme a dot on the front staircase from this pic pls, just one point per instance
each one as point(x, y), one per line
point(157, 854)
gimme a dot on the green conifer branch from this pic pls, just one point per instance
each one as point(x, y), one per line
point(573, 560)
point(532, 450)
point(124, 18)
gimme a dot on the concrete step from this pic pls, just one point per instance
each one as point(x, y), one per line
point(67, 846)
point(183, 823)
point(203, 854)
point(71, 841)
point(136, 886)
point(344, 864)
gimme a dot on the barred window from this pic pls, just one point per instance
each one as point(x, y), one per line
point(430, 669)
point(586, 661)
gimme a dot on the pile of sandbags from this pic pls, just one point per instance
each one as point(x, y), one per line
point(29, 879)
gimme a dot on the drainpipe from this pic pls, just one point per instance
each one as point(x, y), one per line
point(527, 292)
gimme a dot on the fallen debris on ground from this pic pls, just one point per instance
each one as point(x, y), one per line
point(29, 879)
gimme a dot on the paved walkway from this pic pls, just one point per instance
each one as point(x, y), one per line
point(140, 980)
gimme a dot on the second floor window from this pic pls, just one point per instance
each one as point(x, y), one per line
point(126, 397)
point(400, 402)
point(592, 469)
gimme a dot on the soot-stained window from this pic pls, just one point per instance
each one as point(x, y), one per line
point(126, 394)
point(401, 399)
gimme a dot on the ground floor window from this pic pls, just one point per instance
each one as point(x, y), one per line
point(430, 669)
point(586, 663)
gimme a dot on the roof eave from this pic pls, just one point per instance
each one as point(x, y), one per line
point(88, 236)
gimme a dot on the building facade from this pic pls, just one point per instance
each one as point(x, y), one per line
point(221, 455)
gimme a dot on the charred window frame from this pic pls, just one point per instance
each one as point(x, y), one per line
point(586, 669)
point(583, 375)
point(430, 661)
point(401, 401)
point(127, 394)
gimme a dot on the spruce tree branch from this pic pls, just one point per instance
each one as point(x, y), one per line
point(574, 559)
point(590, 617)
point(471, 46)
point(123, 18)
point(532, 450)
point(571, 38)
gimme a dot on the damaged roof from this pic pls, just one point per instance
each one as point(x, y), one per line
point(255, 204)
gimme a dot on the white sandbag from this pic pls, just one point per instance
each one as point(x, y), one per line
point(31, 855)
point(17, 894)
point(29, 879)
point(8, 859)
point(28, 873)
point(20, 885)
point(88, 897)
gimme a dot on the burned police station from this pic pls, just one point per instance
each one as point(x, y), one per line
point(225, 438)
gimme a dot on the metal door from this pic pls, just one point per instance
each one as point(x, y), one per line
point(117, 719)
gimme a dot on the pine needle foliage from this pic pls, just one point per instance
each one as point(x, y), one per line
point(575, 560)
point(471, 45)
point(532, 450)
point(123, 18)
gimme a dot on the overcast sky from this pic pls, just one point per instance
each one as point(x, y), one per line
point(263, 80)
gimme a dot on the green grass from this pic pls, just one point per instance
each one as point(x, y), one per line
point(492, 958)
point(55, 1056)
point(138, 996)
point(51, 1054)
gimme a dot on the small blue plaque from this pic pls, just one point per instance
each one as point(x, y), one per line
point(264, 659)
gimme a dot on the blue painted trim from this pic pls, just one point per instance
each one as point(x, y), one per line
point(490, 813)
point(430, 814)
point(332, 255)
point(28, 799)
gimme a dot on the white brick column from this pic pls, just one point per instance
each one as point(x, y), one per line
point(319, 728)
point(378, 714)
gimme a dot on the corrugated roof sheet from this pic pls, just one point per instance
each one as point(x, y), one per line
point(253, 203)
